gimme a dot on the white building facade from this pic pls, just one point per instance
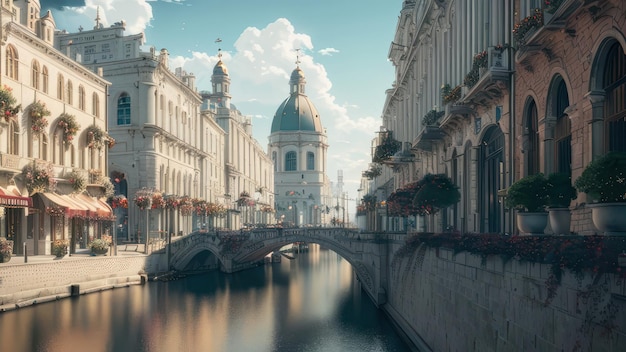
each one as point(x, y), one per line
point(298, 147)
point(248, 176)
point(50, 167)
point(165, 144)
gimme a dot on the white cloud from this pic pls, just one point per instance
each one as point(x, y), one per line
point(328, 51)
point(137, 14)
point(260, 67)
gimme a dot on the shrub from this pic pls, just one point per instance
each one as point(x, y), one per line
point(528, 194)
point(604, 179)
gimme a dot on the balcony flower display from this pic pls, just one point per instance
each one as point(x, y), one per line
point(244, 198)
point(171, 202)
point(158, 202)
point(450, 95)
point(201, 207)
point(7, 104)
point(373, 172)
point(38, 179)
point(387, 148)
point(38, 117)
point(435, 192)
point(480, 59)
point(267, 209)
point(69, 126)
point(97, 138)
point(119, 201)
point(400, 202)
point(78, 181)
point(526, 25)
point(432, 117)
point(550, 6)
point(143, 199)
point(185, 205)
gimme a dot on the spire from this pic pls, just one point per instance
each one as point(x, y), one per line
point(298, 58)
point(98, 24)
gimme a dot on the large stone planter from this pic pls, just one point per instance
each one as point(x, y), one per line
point(532, 223)
point(99, 251)
point(609, 218)
point(560, 219)
point(5, 257)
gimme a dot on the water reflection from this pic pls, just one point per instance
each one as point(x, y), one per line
point(311, 303)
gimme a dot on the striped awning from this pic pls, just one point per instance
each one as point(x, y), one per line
point(11, 197)
point(78, 206)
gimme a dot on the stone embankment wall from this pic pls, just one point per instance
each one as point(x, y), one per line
point(448, 302)
point(32, 283)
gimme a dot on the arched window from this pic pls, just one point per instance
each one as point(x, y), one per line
point(291, 161)
point(70, 92)
point(12, 63)
point(14, 139)
point(44, 79)
point(615, 103)
point(60, 87)
point(95, 105)
point(123, 109)
point(81, 98)
point(531, 144)
point(310, 161)
point(34, 79)
point(562, 132)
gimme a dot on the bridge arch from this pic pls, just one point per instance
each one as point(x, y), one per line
point(363, 254)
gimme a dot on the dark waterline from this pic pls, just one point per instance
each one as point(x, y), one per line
point(311, 303)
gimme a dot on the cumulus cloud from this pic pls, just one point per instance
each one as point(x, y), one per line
point(260, 66)
point(328, 51)
point(137, 14)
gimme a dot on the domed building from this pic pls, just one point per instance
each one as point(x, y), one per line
point(298, 147)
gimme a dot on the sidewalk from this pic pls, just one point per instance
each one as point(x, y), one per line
point(122, 250)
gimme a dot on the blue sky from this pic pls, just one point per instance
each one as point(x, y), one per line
point(343, 54)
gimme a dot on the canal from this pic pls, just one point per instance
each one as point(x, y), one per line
point(310, 303)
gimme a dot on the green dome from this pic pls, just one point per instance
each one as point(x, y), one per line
point(297, 113)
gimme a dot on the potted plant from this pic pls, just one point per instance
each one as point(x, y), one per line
point(6, 250)
point(604, 182)
point(99, 246)
point(529, 195)
point(59, 248)
point(560, 194)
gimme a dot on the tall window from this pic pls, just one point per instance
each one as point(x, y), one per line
point(60, 87)
point(532, 139)
point(34, 79)
point(291, 161)
point(44, 79)
point(562, 132)
point(123, 109)
point(14, 140)
point(12, 62)
point(615, 103)
point(81, 98)
point(70, 92)
point(310, 161)
point(95, 105)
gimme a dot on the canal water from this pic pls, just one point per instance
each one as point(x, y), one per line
point(310, 303)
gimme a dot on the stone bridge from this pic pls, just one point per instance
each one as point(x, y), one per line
point(235, 251)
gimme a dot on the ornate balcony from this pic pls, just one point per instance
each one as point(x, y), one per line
point(538, 41)
point(427, 137)
point(485, 85)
